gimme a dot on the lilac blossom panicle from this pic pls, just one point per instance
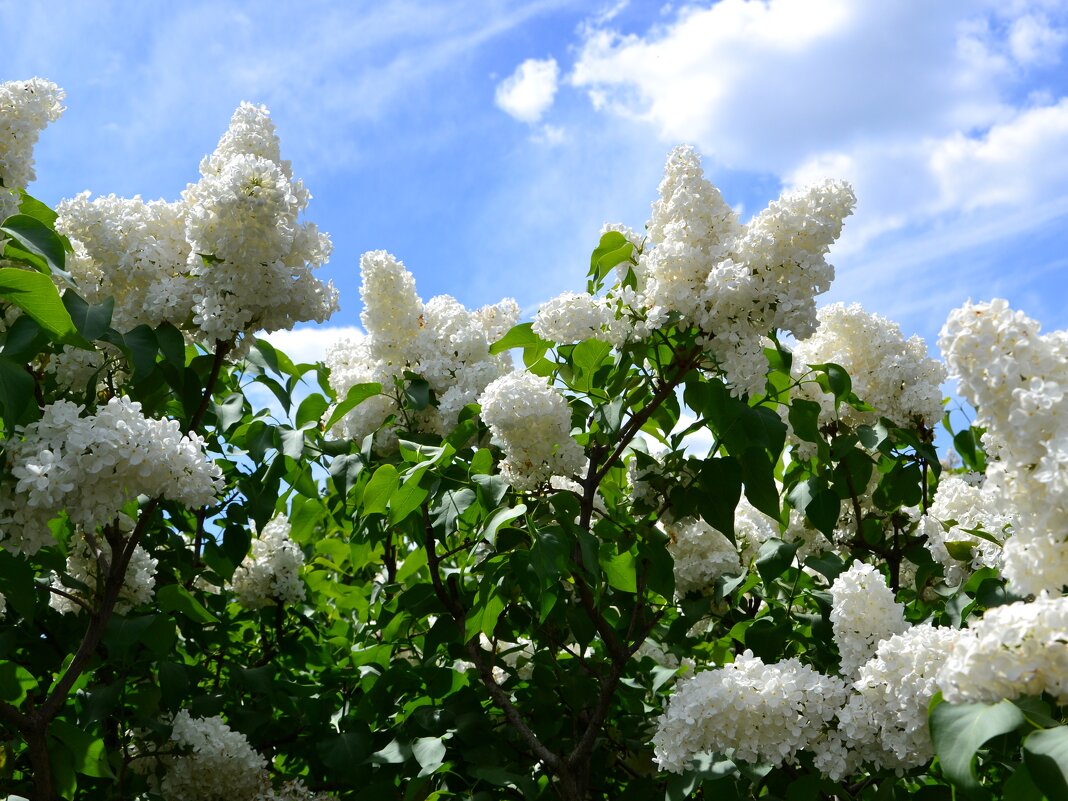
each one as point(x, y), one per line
point(271, 574)
point(1017, 379)
point(441, 341)
point(91, 466)
point(26, 109)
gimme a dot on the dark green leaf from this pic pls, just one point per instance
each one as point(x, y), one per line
point(1046, 756)
point(36, 238)
point(16, 391)
point(176, 598)
point(92, 320)
point(773, 559)
point(960, 730)
point(90, 756)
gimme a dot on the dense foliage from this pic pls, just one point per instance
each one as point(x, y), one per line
point(680, 536)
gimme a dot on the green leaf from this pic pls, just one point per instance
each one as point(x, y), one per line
point(36, 238)
point(230, 411)
point(450, 506)
point(758, 478)
point(16, 391)
point(25, 339)
point(15, 683)
point(518, 336)
point(382, 485)
point(90, 756)
point(356, 395)
point(428, 752)
point(32, 207)
point(805, 418)
point(834, 379)
point(621, 571)
point(498, 519)
point(36, 295)
point(590, 354)
point(823, 511)
point(773, 559)
point(91, 320)
point(344, 753)
point(406, 499)
point(275, 360)
point(417, 393)
point(311, 409)
point(1046, 756)
point(176, 598)
point(721, 489)
point(958, 731)
point(614, 248)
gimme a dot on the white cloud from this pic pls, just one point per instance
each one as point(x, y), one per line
point(309, 345)
point(914, 102)
point(529, 92)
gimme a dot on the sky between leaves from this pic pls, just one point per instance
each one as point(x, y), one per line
point(484, 142)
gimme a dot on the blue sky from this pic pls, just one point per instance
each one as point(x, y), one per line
point(485, 142)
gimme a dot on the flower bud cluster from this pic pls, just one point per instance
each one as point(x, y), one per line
point(532, 422)
point(1017, 379)
point(91, 466)
point(441, 341)
point(271, 574)
point(26, 109)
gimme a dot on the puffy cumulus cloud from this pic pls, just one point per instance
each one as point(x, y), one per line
point(529, 92)
point(915, 104)
point(1020, 160)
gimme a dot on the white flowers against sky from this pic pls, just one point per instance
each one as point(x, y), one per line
point(495, 139)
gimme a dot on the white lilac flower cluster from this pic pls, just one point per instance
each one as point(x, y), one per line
point(965, 504)
point(532, 423)
point(1017, 379)
point(575, 316)
point(83, 565)
point(884, 722)
point(701, 555)
point(758, 712)
point(26, 109)
point(863, 614)
point(270, 575)
point(875, 714)
point(1016, 649)
point(231, 257)
point(440, 340)
point(893, 374)
point(133, 251)
point(752, 528)
point(738, 282)
point(216, 763)
point(81, 370)
point(91, 466)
